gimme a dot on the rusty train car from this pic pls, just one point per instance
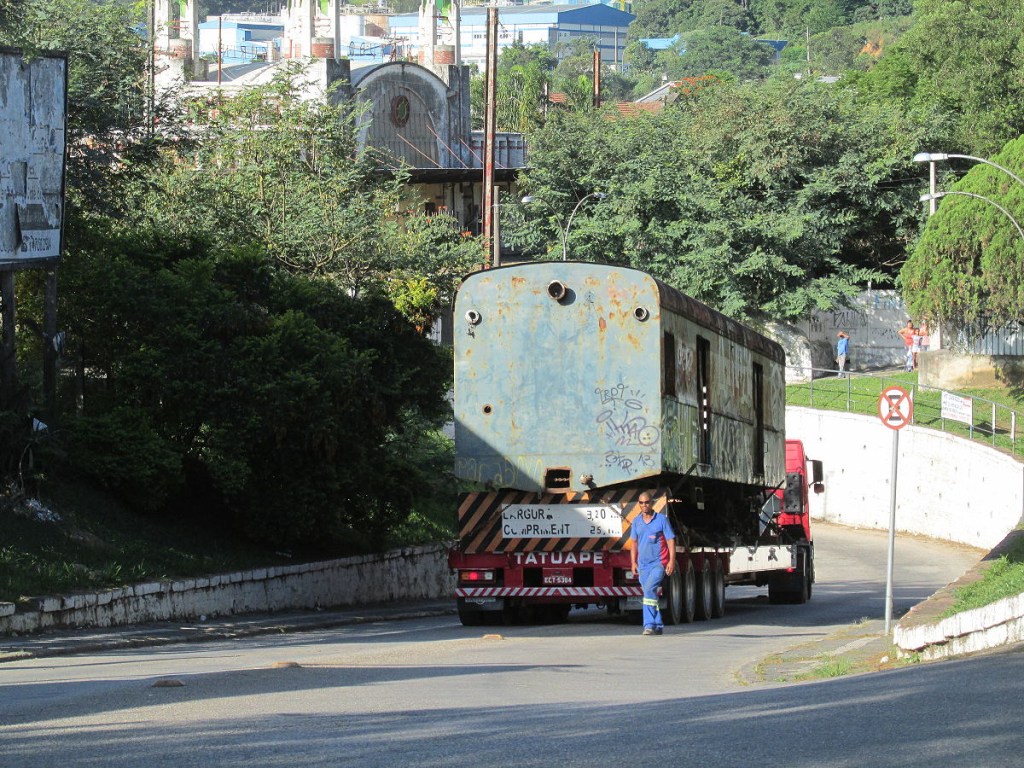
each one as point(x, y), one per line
point(579, 385)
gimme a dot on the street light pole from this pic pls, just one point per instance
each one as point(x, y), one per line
point(565, 230)
point(933, 157)
point(933, 196)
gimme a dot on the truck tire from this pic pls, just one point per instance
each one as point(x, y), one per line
point(674, 592)
point(690, 599)
point(718, 597)
point(791, 588)
point(705, 591)
point(468, 616)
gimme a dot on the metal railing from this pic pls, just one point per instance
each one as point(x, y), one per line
point(986, 420)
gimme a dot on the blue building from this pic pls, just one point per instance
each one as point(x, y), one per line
point(242, 39)
point(546, 25)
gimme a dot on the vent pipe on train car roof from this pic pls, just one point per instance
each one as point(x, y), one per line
point(557, 290)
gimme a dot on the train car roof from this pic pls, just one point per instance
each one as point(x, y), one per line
point(687, 306)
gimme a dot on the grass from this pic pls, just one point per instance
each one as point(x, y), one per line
point(76, 538)
point(993, 419)
point(79, 539)
point(1003, 578)
point(832, 666)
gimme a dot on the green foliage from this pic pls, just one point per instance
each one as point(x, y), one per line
point(665, 18)
point(523, 72)
point(721, 49)
point(122, 451)
point(282, 173)
point(969, 261)
point(282, 396)
point(964, 59)
point(1003, 578)
point(107, 100)
point(435, 256)
point(775, 198)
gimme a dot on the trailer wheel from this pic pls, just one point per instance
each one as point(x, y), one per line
point(690, 601)
point(718, 598)
point(468, 616)
point(705, 591)
point(674, 592)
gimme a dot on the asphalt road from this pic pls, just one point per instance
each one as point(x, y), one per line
point(593, 692)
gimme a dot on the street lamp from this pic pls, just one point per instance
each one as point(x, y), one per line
point(933, 196)
point(565, 230)
point(934, 157)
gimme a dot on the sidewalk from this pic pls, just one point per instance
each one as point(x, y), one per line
point(858, 648)
point(69, 642)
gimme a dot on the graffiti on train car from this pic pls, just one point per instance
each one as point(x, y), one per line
point(630, 463)
point(624, 416)
point(496, 472)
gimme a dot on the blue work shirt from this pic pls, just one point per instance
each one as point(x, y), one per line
point(651, 539)
point(842, 346)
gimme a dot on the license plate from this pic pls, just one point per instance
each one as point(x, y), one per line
point(557, 577)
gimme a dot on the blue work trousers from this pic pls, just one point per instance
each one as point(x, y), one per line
point(651, 577)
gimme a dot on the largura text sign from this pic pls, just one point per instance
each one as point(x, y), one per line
point(895, 408)
point(562, 521)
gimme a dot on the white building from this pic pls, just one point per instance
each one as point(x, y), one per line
point(546, 25)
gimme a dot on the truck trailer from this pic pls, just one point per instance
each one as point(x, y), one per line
point(578, 387)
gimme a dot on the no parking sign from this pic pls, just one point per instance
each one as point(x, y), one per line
point(895, 408)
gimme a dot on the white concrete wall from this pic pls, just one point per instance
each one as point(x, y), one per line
point(946, 487)
point(872, 321)
point(414, 573)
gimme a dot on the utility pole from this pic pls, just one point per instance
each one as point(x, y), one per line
point(490, 117)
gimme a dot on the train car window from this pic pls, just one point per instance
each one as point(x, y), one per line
point(668, 354)
point(704, 393)
point(758, 419)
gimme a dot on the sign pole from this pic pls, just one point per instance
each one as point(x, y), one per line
point(892, 531)
point(896, 410)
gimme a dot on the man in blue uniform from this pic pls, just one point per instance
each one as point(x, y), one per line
point(654, 557)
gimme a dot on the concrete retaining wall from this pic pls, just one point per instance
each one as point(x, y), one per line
point(415, 573)
point(946, 487)
point(944, 369)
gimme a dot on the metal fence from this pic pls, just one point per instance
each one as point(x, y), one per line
point(985, 338)
point(975, 418)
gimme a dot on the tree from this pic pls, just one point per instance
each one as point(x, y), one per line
point(279, 402)
point(283, 173)
point(777, 198)
point(719, 49)
point(659, 18)
point(523, 74)
point(109, 113)
point(968, 265)
point(965, 59)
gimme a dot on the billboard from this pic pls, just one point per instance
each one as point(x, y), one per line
point(33, 112)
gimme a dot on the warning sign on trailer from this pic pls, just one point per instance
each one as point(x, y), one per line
point(895, 407)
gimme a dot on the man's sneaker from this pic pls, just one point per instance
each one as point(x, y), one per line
point(657, 630)
point(650, 631)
